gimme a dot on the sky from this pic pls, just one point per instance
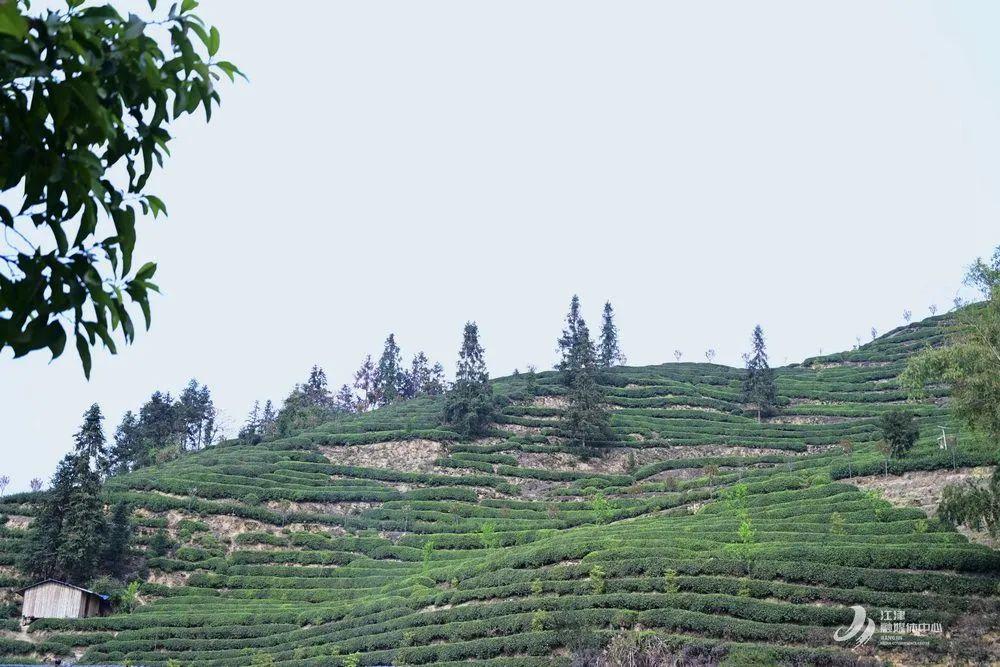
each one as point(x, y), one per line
point(405, 167)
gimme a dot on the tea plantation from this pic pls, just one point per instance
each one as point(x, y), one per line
point(383, 538)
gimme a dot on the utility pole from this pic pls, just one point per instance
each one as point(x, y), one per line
point(943, 444)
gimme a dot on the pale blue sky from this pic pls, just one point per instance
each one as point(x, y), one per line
point(407, 166)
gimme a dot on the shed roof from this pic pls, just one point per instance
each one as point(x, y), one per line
point(21, 591)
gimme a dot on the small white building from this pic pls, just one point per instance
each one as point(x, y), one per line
point(52, 598)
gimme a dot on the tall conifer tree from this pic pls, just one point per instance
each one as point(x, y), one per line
point(610, 349)
point(345, 401)
point(315, 390)
point(569, 340)
point(90, 441)
point(585, 419)
point(250, 433)
point(268, 419)
point(469, 406)
point(389, 375)
point(67, 539)
point(758, 384)
point(364, 382)
point(127, 453)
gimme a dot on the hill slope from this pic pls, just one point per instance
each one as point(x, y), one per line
point(382, 539)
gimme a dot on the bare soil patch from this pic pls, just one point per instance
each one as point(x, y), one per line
point(18, 522)
point(407, 455)
point(618, 461)
point(559, 402)
point(808, 419)
point(922, 489)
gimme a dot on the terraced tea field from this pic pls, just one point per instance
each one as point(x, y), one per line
point(384, 539)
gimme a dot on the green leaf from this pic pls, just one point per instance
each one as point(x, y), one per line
point(230, 69)
point(213, 39)
point(11, 21)
point(83, 349)
point(146, 271)
point(135, 27)
point(88, 223)
point(125, 227)
point(144, 305)
point(61, 241)
point(56, 339)
point(202, 35)
point(156, 205)
point(188, 5)
point(105, 337)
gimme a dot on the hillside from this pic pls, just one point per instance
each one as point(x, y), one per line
point(383, 539)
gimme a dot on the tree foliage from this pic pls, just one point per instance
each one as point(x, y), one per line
point(568, 343)
point(164, 428)
point(127, 452)
point(345, 401)
point(470, 406)
point(900, 430)
point(72, 537)
point(307, 406)
point(196, 415)
point(899, 433)
point(758, 384)
point(973, 504)
point(610, 349)
point(585, 419)
point(90, 442)
point(423, 379)
point(87, 97)
point(389, 376)
point(364, 383)
point(970, 365)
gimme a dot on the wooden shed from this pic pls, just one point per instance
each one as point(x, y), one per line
point(57, 599)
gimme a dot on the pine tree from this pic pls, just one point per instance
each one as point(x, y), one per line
point(67, 537)
point(196, 414)
point(585, 419)
point(119, 537)
point(569, 340)
point(315, 389)
point(160, 423)
point(345, 401)
point(471, 368)
point(758, 385)
point(127, 452)
point(364, 382)
point(389, 376)
point(268, 420)
point(422, 379)
point(39, 556)
point(250, 433)
point(209, 413)
point(469, 406)
point(610, 351)
point(90, 441)
point(84, 526)
point(435, 384)
point(418, 376)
